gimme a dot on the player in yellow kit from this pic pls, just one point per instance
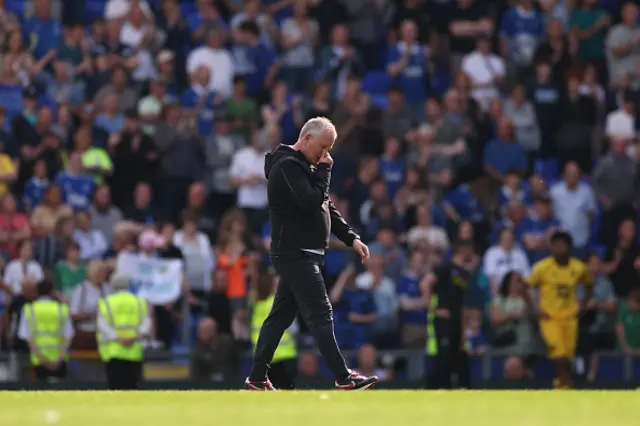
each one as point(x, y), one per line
point(558, 277)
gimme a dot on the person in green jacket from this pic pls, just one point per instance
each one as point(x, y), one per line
point(628, 323)
point(70, 272)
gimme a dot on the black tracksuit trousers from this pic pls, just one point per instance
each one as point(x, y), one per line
point(450, 359)
point(302, 288)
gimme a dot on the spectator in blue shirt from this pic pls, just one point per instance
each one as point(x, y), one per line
point(360, 309)
point(534, 231)
point(70, 49)
point(287, 113)
point(206, 18)
point(253, 60)
point(407, 65)
point(413, 311)
point(63, 89)
point(392, 166)
point(36, 185)
point(511, 190)
point(110, 119)
point(42, 33)
point(515, 214)
point(521, 30)
point(504, 154)
point(77, 187)
point(200, 100)
point(461, 204)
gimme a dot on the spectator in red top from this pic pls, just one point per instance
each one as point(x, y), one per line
point(14, 226)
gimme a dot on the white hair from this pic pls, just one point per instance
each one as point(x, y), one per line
point(317, 126)
point(119, 282)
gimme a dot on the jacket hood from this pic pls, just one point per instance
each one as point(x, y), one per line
point(281, 151)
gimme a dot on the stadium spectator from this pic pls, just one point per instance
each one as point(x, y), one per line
point(69, 272)
point(485, 69)
point(196, 247)
point(621, 258)
point(213, 353)
point(503, 258)
point(383, 289)
point(247, 174)
point(513, 331)
point(128, 119)
point(83, 305)
point(627, 323)
point(412, 316)
point(104, 215)
point(621, 44)
point(23, 268)
point(93, 244)
point(574, 206)
point(597, 325)
point(14, 226)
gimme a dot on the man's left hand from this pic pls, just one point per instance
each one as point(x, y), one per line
point(362, 249)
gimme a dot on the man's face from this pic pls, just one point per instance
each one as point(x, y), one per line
point(559, 249)
point(316, 147)
point(542, 210)
point(386, 238)
point(572, 174)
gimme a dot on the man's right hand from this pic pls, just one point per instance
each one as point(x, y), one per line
point(326, 159)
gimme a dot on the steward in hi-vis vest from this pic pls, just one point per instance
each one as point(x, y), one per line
point(122, 325)
point(46, 325)
point(284, 367)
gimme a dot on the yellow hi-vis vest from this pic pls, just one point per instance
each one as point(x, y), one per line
point(124, 312)
point(287, 347)
point(46, 319)
point(432, 339)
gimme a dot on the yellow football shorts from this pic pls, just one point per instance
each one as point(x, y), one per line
point(560, 336)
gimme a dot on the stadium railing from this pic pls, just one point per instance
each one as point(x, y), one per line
point(486, 367)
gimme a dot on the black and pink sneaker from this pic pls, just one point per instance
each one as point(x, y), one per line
point(357, 381)
point(258, 386)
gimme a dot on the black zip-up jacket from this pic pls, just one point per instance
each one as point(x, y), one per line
point(301, 214)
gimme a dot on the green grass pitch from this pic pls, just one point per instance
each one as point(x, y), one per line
point(310, 408)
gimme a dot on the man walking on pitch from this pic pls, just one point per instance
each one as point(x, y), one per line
point(302, 218)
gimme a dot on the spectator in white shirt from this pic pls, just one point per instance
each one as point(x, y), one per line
point(23, 268)
point(93, 244)
point(486, 71)
point(247, 174)
point(504, 257)
point(218, 60)
point(574, 204)
point(426, 233)
point(83, 305)
point(198, 255)
point(140, 33)
point(621, 123)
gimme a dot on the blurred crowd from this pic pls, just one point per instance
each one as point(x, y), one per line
point(142, 125)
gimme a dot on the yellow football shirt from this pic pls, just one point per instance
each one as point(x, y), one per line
point(6, 167)
point(558, 286)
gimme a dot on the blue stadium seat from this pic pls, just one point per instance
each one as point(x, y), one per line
point(376, 83)
point(188, 9)
point(94, 9)
point(380, 101)
point(15, 6)
point(549, 169)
